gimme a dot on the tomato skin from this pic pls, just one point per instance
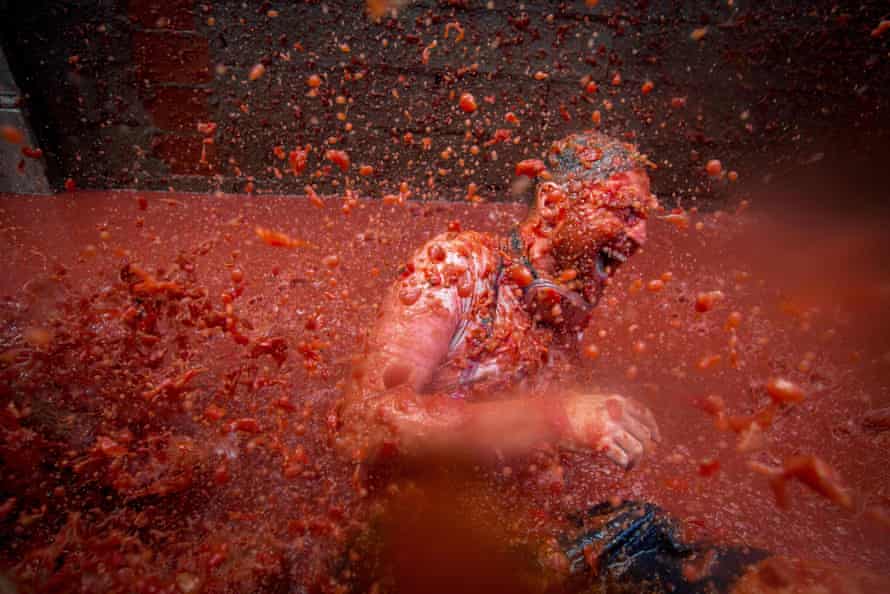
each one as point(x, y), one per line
point(297, 160)
point(784, 391)
point(530, 167)
point(245, 425)
point(256, 72)
point(338, 158)
point(520, 275)
point(714, 168)
point(468, 103)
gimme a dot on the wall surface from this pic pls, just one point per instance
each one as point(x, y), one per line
point(117, 89)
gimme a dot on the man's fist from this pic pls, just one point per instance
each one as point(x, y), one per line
point(618, 426)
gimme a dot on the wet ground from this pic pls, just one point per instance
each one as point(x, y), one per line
point(166, 378)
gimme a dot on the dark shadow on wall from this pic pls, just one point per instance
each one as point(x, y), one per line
point(11, 23)
point(75, 87)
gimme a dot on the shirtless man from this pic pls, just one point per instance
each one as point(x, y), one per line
point(475, 316)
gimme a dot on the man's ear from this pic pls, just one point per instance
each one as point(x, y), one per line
point(549, 196)
point(550, 199)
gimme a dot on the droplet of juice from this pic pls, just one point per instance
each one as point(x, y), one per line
point(708, 361)
point(409, 295)
point(11, 134)
point(680, 220)
point(698, 34)
point(245, 425)
point(733, 320)
point(784, 391)
point(297, 160)
point(530, 167)
point(331, 261)
point(256, 72)
point(705, 302)
point(882, 28)
point(468, 103)
point(567, 275)
point(521, 275)
point(708, 467)
point(437, 254)
point(338, 158)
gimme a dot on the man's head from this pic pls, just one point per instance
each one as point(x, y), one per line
point(597, 201)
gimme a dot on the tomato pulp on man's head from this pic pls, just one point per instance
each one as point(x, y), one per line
point(607, 201)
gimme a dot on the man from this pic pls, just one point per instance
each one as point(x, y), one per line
point(474, 316)
point(463, 360)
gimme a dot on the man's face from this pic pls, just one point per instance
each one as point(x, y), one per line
point(603, 225)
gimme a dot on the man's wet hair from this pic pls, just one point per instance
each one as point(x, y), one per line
point(591, 155)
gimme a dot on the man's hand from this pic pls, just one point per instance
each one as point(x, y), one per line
point(620, 427)
point(413, 423)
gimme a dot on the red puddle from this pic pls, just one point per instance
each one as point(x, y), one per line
point(225, 475)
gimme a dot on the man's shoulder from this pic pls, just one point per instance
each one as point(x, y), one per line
point(463, 241)
point(452, 253)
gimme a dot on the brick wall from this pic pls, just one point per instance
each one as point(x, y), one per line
point(172, 64)
point(118, 89)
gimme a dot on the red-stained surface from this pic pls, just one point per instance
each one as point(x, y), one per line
point(178, 108)
point(166, 378)
point(170, 58)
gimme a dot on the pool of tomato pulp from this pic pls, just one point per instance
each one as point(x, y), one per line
point(167, 378)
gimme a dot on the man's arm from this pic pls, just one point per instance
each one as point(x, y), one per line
point(413, 424)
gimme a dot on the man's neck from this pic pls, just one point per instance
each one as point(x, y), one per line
point(532, 240)
point(535, 245)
